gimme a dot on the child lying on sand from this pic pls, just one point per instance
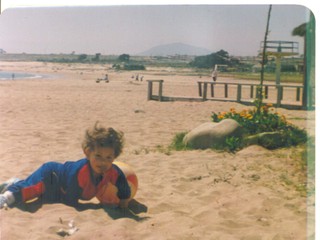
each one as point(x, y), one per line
point(66, 183)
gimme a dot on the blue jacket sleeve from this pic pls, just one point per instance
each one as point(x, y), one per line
point(124, 191)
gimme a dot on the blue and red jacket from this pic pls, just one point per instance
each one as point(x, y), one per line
point(67, 183)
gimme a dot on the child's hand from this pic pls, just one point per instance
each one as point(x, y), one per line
point(3, 201)
point(6, 199)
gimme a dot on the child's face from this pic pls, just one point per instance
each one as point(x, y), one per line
point(101, 159)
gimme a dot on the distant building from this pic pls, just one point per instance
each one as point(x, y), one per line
point(2, 51)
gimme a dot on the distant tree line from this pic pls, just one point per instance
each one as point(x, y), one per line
point(125, 62)
point(84, 57)
point(121, 62)
point(73, 58)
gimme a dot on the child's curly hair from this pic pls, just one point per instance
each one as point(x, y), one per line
point(99, 136)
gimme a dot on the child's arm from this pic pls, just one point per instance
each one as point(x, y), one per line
point(124, 192)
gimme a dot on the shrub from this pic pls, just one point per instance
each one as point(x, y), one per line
point(116, 66)
point(233, 143)
point(265, 127)
point(134, 67)
point(82, 57)
point(265, 120)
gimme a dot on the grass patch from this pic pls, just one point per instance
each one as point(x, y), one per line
point(301, 173)
point(177, 142)
point(285, 77)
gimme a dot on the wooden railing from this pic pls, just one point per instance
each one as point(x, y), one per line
point(278, 89)
point(244, 93)
point(150, 90)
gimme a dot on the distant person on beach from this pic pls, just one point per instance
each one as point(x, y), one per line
point(71, 181)
point(106, 78)
point(13, 76)
point(215, 74)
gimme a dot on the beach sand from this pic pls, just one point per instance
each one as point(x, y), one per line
point(199, 194)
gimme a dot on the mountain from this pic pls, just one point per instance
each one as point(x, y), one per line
point(175, 49)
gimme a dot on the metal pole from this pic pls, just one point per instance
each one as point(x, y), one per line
point(264, 58)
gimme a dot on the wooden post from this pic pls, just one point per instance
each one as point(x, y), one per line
point(251, 91)
point(205, 86)
point(212, 90)
point(200, 89)
point(160, 90)
point(149, 90)
point(226, 90)
point(281, 91)
point(239, 93)
point(279, 97)
point(298, 94)
point(266, 92)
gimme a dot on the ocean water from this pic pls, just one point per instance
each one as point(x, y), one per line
point(14, 76)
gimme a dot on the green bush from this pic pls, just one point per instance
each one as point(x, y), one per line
point(233, 144)
point(116, 66)
point(262, 121)
point(134, 67)
point(266, 128)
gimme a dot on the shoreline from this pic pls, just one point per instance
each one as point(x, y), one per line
point(7, 76)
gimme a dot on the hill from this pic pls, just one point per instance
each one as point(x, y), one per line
point(175, 49)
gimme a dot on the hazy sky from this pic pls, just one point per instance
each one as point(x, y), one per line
point(131, 29)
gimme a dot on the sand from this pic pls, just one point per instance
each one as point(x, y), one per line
point(199, 194)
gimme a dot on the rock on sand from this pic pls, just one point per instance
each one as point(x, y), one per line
point(210, 134)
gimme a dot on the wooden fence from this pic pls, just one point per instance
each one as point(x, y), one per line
point(150, 90)
point(287, 96)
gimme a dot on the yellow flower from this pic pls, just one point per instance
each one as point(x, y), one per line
point(243, 113)
point(232, 110)
point(220, 116)
point(269, 105)
point(249, 116)
point(265, 108)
